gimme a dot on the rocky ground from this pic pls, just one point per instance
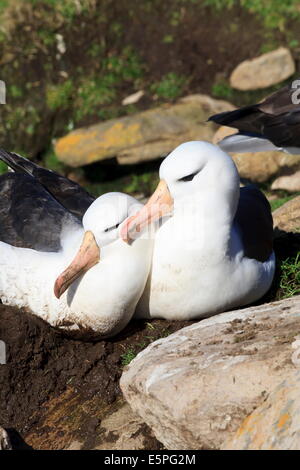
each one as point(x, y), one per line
point(71, 65)
point(58, 393)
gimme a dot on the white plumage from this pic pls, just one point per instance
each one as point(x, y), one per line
point(101, 301)
point(200, 260)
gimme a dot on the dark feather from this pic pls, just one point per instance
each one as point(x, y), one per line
point(29, 216)
point(255, 223)
point(276, 118)
point(68, 193)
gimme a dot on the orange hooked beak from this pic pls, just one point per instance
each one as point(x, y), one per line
point(88, 255)
point(159, 205)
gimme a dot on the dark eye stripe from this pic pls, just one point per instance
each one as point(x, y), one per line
point(112, 228)
point(189, 177)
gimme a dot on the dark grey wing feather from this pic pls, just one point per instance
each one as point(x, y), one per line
point(276, 118)
point(68, 193)
point(280, 102)
point(255, 223)
point(29, 216)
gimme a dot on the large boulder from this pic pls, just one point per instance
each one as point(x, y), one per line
point(287, 217)
point(196, 387)
point(263, 71)
point(275, 424)
point(144, 136)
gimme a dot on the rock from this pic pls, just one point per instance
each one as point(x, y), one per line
point(263, 71)
point(258, 166)
point(222, 132)
point(287, 217)
point(134, 98)
point(144, 136)
point(262, 166)
point(4, 440)
point(124, 430)
point(196, 387)
point(275, 424)
point(289, 183)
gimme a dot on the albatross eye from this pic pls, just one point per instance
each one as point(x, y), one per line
point(189, 177)
point(109, 229)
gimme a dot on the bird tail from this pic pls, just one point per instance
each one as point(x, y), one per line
point(228, 118)
point(17, 163)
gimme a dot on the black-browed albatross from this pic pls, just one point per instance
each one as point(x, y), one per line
point(72, 271)
point(213, 252)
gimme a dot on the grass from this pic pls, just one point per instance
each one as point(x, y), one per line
point(275, 14)
point(3, 168)
point(276, 203)
point(101, 88)
point(222, 90)
point(132, 351)
point(59, 96)
point(127, 357)
point(170, 86)
point(50, 161)
point(290, 277)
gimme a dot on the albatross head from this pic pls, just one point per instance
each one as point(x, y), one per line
point(190, 172)
point(102, 223)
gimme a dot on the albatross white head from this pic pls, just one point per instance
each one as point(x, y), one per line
point(195, 174)
point(101, 223)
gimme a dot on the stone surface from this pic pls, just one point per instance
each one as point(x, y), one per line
point(71, 423)
point(287, 217)
point(144, 136)
point(289, 183)
point(261, 166)
point(4, 440)
point(275, 424)
point(196, 387)
point(258, 166)
point(263, 71)
point(134, 98)
point(124, 430)
point(222, 132)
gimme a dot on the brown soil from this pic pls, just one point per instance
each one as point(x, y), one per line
point(42, 365)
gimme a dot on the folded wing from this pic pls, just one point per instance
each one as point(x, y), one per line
point(30, 217)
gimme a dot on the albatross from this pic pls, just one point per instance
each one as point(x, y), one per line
point(273, 124)
point(213, 250)
point(72, 271)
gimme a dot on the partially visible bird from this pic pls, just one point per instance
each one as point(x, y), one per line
point(273, 124)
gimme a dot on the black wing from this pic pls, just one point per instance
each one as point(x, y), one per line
point(277, 119)
point(29, 216)
point(68, 193)
point(255, 223)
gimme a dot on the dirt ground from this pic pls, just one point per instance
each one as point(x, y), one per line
point(42, 365)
